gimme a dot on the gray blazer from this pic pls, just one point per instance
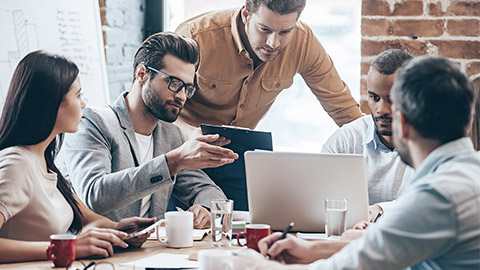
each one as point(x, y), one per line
point(101, 162)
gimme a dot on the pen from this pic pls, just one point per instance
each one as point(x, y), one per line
point(284, 234)
point(179, 209)
point(379, 215)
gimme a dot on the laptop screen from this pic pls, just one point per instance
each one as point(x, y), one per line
point(284, 187)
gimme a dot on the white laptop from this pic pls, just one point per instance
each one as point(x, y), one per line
point(284, 187)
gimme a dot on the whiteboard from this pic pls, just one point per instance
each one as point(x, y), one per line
point(68, 27)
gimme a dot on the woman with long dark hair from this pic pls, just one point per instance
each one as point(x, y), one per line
point(43, 102)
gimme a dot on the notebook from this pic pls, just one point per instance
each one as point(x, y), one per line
point(284, 187)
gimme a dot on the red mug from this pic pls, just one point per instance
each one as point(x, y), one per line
point(62, 249)
point(253, 233)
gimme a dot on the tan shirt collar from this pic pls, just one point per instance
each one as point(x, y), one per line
point(235, 33)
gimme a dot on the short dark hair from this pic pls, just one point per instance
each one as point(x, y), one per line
point(435, 97)
point(281, 7)
point(39, 83)
point(155, 47)
point(390, 60)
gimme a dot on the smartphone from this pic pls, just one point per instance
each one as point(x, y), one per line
point(143, 231)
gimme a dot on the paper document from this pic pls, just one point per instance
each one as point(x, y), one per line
point(241, 216)
point(317, 236)
point(197, 234)
point(164, 260)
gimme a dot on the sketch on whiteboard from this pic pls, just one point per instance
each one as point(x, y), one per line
point(67, 27)
point(26, 37)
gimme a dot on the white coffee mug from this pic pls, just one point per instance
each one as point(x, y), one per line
point(215, 259)
point(178, 229)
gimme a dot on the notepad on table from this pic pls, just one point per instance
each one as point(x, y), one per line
point(164, 261)
point(317, 236)
point(197, 234)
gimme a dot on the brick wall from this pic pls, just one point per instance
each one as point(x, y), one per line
point(448, 28)
point(122, 27)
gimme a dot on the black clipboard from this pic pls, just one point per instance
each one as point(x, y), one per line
point(242, 139)
point(231, 178)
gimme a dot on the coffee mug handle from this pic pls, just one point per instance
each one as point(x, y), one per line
point(238, 238)
point(51, 252)
point(162, 221)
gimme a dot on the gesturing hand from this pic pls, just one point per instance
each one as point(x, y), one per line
point(199, 153)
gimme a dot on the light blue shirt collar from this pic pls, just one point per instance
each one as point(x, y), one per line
point(371, 137)
point(441, 155)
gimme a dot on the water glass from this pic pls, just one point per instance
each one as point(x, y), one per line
point(221, 220)
point(335, 216)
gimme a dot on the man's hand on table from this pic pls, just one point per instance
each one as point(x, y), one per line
point(201, 216)
point(374, 212)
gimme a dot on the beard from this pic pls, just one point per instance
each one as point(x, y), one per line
point(404, 154)
point(402, 149)
point(263, 55)
point(157, 106)
point(382, 130)
point(259, 48)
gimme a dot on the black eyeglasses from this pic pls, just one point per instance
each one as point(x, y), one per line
point(80, 265)
point(176, 85)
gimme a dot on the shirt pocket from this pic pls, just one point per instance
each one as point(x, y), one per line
point(271, 87)
point(215, 92)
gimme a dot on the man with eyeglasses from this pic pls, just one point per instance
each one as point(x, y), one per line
point(128, 159)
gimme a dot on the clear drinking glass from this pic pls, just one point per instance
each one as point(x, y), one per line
point(335, 216)
point(221, 220)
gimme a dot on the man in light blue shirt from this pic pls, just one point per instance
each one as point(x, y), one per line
point(371, 135)
point(435, 223)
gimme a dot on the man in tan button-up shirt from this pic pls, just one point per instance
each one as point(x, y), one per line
point(248, 56)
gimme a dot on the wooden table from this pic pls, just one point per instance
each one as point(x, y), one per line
point(151, 247)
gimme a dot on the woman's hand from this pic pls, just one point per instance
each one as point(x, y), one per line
point(99, 242)
point(134, 224)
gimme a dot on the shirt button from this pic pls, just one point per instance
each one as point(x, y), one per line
point(241, 106)
point(249, 66)
point(277, 85)
point(214, 86)
point(234, 123)
point(246, 81)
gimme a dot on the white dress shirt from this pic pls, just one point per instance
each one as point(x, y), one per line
point(385, 170)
